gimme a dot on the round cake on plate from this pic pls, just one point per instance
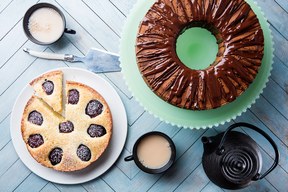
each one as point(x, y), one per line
point(240, 51)
point(71, 141)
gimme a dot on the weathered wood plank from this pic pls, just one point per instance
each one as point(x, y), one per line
point(4, 4)
point(280, 45)
point(276, 15)
point(124, 6)
point(195, 181)
point(185, 138)
point(168, 129)
point(12, 38)
point(50, 187)
point(115, 19)
point(5, 132)
point(8, 157)
point(283, 4)
point(31, 183)
point(128, 168)
point(261, 185)
point(279, 74)
point(117, 179)
point(143, 181)
point(92, 23)
point(277, 97)
point(96, 185)
point(10, 180)
point(16, 6)
point(271, 118)
point(211, 187)
point(132, 107)
point(70, 188)
point(118, 79)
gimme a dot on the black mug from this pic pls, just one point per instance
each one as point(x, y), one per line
point(31, 10)
point(144, 168)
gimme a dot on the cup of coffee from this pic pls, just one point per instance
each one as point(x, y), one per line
point(153, 152)
point(44, 24)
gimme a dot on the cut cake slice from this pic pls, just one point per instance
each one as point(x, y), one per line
point(49, 87)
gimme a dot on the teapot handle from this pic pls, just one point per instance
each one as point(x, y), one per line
point(220, 148)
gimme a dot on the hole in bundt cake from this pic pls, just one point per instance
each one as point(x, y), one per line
point(84, 153)
point(73, 96)
point(66, 127)
point(48, 87)
point(94, 108)
point(197, 47)
point(55, 156)
point(96, 130)
point(35, 117)
point(35, 140)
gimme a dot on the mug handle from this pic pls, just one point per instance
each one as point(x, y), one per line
point(70, 31)
point(220, 148)
point(129, 158)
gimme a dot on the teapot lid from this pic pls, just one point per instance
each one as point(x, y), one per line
point(240, 165)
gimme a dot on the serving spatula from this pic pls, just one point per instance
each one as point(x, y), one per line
point(97, 60)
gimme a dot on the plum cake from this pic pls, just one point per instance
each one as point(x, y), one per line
point(70, 142)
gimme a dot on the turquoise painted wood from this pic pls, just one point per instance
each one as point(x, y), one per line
point(99, 24)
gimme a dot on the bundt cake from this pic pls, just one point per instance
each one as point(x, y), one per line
point(240, 51)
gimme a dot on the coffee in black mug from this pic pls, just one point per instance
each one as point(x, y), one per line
point(44, 24)
point(153, 152)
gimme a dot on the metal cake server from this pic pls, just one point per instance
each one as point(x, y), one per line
point(98, 61)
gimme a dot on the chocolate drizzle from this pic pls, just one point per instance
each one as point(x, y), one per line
point(240, 42)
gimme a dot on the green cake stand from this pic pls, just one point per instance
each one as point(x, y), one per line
point(183, 117)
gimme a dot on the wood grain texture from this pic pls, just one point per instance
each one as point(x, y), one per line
point(283, 4)
point(49, 187)
point(99, 24)
point(5, 132)
point(32, 182)
point(8, 19)
point(279, 74)
point(276, 15)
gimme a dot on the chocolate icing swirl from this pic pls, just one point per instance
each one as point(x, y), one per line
point(240, 42)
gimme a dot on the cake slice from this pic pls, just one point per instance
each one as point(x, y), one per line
point(49, 88)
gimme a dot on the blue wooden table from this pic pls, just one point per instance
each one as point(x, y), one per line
point(98, 24)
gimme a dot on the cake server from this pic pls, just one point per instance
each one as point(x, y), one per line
point(97, 60)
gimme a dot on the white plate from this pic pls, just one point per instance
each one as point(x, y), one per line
point(105, 161)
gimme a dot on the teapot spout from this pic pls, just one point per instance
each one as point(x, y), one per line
point(206, 140)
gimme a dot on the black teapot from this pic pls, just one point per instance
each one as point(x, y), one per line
point(232, 160)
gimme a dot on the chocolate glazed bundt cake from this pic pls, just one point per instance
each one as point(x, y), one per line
point(240, 51)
